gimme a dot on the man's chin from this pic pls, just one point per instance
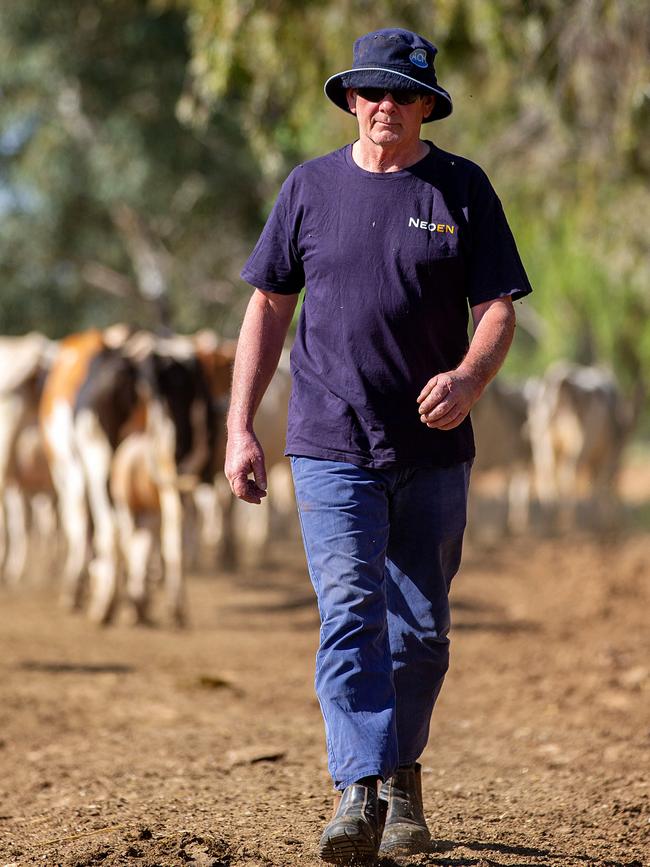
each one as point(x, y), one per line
point(384, 136)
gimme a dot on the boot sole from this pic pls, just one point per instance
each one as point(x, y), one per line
point(413, 846)
point(344, 848)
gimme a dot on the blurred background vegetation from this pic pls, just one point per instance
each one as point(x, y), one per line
point(142, 143)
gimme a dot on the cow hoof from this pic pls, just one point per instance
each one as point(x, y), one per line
point(103, 591)
point(102, 611)
point(71, 604)
point(101, 618)
point(141, 615)
point(72, 593)
point(144, 623)
point(179, 619)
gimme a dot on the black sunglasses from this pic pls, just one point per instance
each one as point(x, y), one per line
point(401, 97)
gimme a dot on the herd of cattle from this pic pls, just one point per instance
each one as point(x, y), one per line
point(114, 440)
point(558, 442)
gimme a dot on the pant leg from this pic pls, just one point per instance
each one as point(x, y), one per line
point(343, 512)
point(427, 520)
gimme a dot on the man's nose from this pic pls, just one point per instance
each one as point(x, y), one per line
point(388, 104)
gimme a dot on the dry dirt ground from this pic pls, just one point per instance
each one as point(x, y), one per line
point(205, 747)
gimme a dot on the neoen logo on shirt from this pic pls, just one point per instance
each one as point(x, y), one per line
point(415, 223)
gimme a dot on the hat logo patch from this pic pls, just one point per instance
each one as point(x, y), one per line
point(419, 58)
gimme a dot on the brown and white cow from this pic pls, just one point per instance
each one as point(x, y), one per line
point(579, 423)
point(104, 386)
point(57, 419)
point(24, 362)
point(30, 506)
point(136, 499)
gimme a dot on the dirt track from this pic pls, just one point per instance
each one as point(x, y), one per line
point(156, 747)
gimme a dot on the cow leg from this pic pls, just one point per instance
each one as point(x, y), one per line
point(518, 502)
point(14, 567)
point(191, 546)
point(137, 564)
point(252, 525)
point(136, 544)
point(3, 532)
point(74, 522)
point(44, 515)
point(205, 526)
point(259, 531)
point(284, 514)
point(171, 533)
point(227, 551)
point(96, 454)
point(544, 468)
point(11, 414)
point(604, 496)
point(4, 540)
point(68, 479)
point(3, 535)
point(568, 490)
point(205, 499)
point(43, 541)
point(137, 553)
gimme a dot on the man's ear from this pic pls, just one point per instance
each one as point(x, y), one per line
point(351, 96)
point(428, 103)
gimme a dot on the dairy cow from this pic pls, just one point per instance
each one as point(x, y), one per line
point(579, 422)
point(106, 385)
point(140, 485)
point(30, 506)
point(57, 421)
point(24, 363)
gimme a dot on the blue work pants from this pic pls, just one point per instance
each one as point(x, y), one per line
point(382, 547)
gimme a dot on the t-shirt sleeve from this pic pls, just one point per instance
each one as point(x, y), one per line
point(275, 264)
point(495, 268)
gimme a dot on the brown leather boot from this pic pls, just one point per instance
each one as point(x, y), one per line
point(352, 836)
point(405, 829)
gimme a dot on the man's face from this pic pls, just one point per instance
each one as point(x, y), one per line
point(386, 123)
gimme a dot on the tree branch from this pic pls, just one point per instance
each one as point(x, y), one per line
point(108, 280)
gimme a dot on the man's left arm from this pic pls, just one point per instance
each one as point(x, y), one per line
point(447, 398)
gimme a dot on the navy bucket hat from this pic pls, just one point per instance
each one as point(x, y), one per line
point(394, 59)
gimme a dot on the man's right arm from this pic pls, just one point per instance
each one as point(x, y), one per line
point(261, 339)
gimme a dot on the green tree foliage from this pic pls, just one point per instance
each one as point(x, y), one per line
point(112, 207)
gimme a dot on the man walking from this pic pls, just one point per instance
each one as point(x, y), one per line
point(395, 241)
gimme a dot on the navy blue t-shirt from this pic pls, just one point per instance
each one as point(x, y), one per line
point(390, 262)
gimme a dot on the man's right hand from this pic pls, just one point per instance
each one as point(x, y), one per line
point(244, 456)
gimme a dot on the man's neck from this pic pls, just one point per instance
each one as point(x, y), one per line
point(379, 158)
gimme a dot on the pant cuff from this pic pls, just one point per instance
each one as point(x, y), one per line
point(363, 772)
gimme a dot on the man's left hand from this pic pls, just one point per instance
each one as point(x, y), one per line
point(447, 398)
